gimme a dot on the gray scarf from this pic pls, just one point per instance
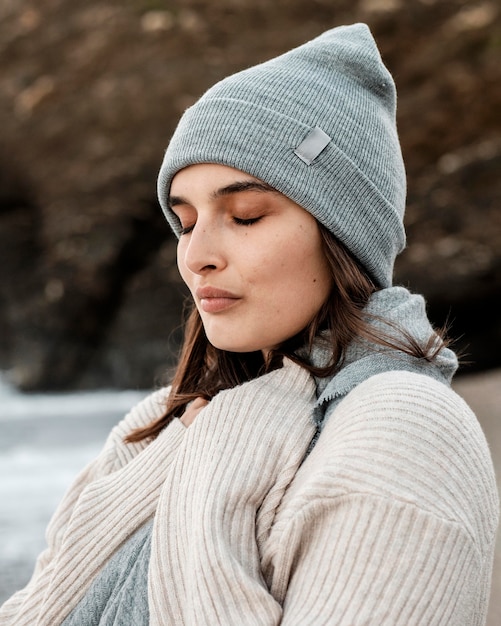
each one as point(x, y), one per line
point(402, 310)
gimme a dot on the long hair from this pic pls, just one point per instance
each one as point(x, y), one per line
point(204, 370)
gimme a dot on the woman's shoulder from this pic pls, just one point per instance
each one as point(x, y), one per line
point(411, 438)
point(407, 403)
point(412, 415)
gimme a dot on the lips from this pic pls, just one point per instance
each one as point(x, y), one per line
point(213, 300)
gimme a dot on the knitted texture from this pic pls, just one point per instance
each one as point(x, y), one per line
point(257, 120)
point(119, 594)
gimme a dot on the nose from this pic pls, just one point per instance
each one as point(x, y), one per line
point(201, 250)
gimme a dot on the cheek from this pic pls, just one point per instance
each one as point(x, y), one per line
point(309, 274)
point(295, 272)
point(302, 255)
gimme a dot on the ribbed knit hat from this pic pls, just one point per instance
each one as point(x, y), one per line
point(318, 124)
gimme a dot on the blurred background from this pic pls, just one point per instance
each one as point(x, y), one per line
point(90, 92)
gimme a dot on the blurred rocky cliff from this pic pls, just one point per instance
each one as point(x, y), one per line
point(90, 92)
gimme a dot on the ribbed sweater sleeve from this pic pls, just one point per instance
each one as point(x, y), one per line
point(232, 469)
point(392, 518)
point(366, 560)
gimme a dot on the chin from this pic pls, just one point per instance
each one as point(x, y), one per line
point(236, 346)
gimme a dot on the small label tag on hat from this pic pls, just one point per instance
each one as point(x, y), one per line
point(312, 145)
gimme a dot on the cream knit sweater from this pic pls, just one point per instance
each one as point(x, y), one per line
point(391, 518)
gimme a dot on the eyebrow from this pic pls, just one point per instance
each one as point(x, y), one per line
point(236, 187)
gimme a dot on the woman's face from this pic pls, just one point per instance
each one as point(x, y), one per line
point(251, 257)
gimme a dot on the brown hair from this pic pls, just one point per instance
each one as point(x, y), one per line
point(204, 370)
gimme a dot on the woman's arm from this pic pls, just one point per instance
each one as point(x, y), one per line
point(242, 449)
point(392, 518)
point(360, 559)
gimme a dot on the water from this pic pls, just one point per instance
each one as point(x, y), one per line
point(45, 440)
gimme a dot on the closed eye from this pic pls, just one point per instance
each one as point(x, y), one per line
point(241, 221)
point(246, 221)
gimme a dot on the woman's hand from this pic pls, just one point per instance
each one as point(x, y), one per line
point(192, 410)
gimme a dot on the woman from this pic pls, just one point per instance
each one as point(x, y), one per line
point(310, 463)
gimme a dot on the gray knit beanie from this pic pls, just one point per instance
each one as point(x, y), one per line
point(318, 124)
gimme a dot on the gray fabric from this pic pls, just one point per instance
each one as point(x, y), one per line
point(256, 121)
point(119, 594)
point(388, 310)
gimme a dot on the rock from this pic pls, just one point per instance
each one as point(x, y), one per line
point(91, 91)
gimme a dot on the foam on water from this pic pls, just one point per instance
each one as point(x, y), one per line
point(18, 405)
